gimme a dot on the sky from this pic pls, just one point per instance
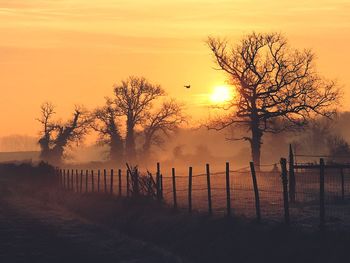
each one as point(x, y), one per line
point(72, 51)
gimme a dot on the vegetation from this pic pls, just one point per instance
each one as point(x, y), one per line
point(136, 107)
point(278, 88)
point(56, 136)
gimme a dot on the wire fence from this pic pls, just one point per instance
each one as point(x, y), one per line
point(336, 197)
point(232, 192)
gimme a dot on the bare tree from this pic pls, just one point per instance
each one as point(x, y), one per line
point(47, 112)
point(72, 131)
point(107, 125)
point(273, 82)
point(338, 147)
point(322, 137)
point(162, 123)
point(134, 97)
point(56, 136)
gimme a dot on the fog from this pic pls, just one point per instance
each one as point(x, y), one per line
point(18, 143)
point(196, 147)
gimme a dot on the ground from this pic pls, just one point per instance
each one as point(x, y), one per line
point(40, 223)
point(33, 230)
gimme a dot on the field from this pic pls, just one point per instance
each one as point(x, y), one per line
point(44, 223)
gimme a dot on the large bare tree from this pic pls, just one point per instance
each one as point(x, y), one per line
point(161, 123)
point(277, 87)
point(107, 124)
point(55, 136)
point(134, 97)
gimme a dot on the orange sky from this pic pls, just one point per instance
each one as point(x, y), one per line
point(72, 51)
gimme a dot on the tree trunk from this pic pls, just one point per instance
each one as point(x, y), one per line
point(116, 152)
point(130, 140)
point(44, 148)
point(146, 150)
point(116, 149)
point(56, 155)
point(256, 143)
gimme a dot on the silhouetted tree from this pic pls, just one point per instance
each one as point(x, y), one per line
point(72, 131)
point(107, 125)
point(134, 97)
point(272, 82)
point(338, 148)
point(322, 137)
point(314, 139)
point(47, 111)
point(162, 123)
point(56, 136)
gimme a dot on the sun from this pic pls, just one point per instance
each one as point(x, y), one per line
point(221, 94)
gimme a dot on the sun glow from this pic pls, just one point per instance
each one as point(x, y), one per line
point(221, 94)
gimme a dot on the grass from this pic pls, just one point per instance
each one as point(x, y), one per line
point(201, 238)
point(196, 237)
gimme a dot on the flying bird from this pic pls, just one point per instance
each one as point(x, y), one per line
point(187, 86)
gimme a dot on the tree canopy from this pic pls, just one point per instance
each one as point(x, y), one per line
point(277, 87)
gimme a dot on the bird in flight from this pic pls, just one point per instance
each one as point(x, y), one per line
point(187, 86)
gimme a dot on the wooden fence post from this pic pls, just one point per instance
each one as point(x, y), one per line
point(285, 190)
point(190, 190)
point(161, 187)
point(105, 179)
point(112, 174)
point(127, 183)
point(136, 186)
point(256, 192)
point(68, 180)
point(86, 181)
point(92, 181)
point(72, 181)
point(228, 190)
point(322, 206)
point(210, 211)
point(174, 187)
point(60, 178)
point(120, 182)
point(98, 180)
point(64, 179)
point(77, 180)
point(342, 184)
point(81, 181)
point(292, 181)
point(158, 184)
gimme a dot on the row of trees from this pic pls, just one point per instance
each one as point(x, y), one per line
point(277, 89)
point(138, 112)
point(322, 136)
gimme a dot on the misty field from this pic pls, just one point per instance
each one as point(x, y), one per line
point(87, 227)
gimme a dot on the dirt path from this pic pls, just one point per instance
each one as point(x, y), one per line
point(32, 231)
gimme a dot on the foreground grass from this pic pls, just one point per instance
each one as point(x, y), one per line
point(195, 237)
point(205, 239)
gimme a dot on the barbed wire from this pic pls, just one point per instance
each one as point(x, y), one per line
point(322, 155)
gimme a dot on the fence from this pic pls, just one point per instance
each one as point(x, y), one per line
point(300, 193)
